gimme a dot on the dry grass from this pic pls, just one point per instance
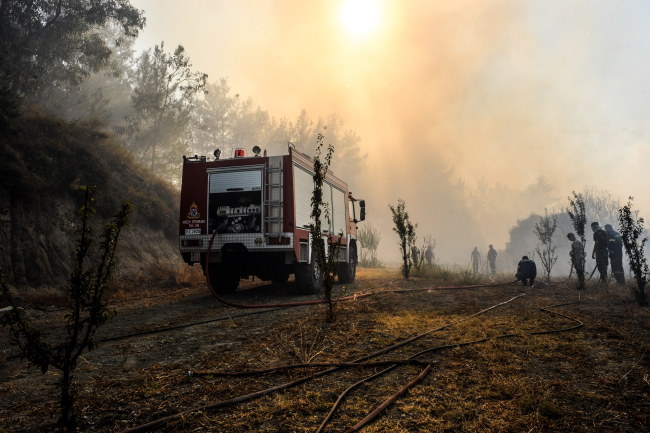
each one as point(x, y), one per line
point(155, 279)
point(43, 297)
point(591, 379)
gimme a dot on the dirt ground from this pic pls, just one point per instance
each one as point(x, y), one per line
point(591, 378)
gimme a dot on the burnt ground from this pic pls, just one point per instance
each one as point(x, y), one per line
point(594, 378)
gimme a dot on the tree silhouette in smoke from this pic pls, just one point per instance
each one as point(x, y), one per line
point(406, 232)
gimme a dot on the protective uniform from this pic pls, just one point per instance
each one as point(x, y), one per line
point(578, 259)
point(492, 259)
point(415, 256)
point(600, 253)
point(476, 258)
point(526, 271)
point(615, 248)
point(428, 254)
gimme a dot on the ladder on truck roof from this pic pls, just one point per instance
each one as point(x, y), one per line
point(273, 215)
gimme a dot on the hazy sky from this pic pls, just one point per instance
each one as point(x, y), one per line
point(491, 94)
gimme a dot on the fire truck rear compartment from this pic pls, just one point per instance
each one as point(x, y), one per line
point(235, 212)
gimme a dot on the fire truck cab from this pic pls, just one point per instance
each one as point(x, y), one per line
point(256, 212)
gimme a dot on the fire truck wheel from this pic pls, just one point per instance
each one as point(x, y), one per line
point(348, 271)
point(309, 277)
point(222, 279)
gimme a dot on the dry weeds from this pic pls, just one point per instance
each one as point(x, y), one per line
point(591, 379)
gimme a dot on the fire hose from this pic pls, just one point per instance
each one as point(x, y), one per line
point(358, 363)
point(320, 301)
point(244, 398)
point(236, 400)
point(374, 413)
point(392, 365)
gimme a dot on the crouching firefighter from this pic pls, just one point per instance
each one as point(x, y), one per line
point(526, 271)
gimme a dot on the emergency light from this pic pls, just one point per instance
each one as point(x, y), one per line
point(240, 153)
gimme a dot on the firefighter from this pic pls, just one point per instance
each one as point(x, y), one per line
point(492, 259)
point(600, 252)
point(615, 248)
point(415, 256)
point(577, 254)
point(476, 259)
point(428, 254)
point(526, 271)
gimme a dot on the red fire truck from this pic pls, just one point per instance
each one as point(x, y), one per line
point(260, 209)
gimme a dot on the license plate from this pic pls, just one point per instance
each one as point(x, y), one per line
point(192, 231)
point(195, 257)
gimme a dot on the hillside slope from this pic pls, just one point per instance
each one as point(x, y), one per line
point(43, 161)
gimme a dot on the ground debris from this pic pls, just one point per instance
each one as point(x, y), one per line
point(590, 379)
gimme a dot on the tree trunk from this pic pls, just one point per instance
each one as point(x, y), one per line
point(67, 421)
point(642, 297)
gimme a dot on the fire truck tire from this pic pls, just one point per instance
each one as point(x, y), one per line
point(309, 277)
point(348, 271)
point(222, 279)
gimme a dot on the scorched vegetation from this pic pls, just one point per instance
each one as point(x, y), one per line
point(486, 359)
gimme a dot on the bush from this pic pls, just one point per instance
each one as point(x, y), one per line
point(89, 282)
point(631, 232)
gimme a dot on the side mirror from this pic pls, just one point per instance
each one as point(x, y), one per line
point(362, 210)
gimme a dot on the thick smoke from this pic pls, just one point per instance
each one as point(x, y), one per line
point(476, 113)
